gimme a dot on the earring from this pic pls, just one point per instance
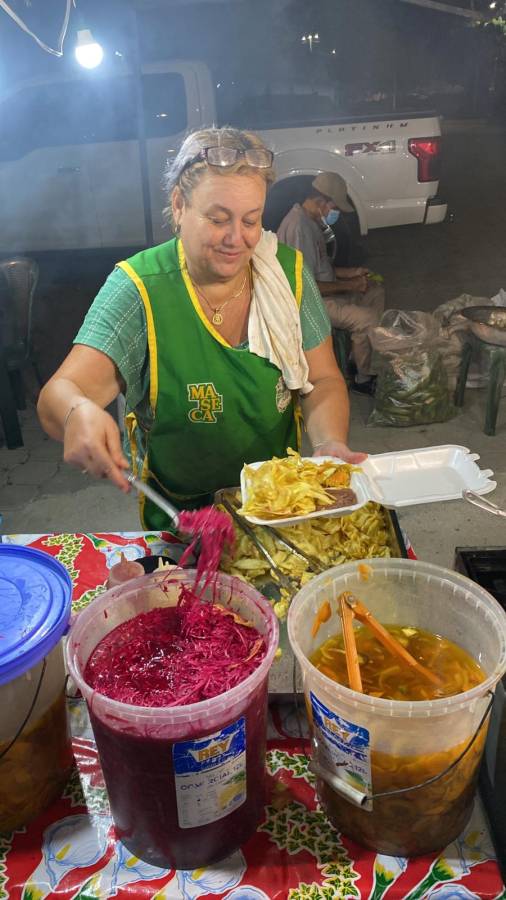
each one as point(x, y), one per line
point(177, 228)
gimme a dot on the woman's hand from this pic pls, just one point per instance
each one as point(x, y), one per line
point(92, 443)
point(339, 450)
point(71, 408)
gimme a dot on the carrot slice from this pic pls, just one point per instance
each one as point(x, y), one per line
point(323, 615)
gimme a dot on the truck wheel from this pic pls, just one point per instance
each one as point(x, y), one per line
point(281, 198)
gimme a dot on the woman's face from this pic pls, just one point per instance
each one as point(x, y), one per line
point(222, 224)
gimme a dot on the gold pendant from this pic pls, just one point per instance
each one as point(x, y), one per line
point(217, 319)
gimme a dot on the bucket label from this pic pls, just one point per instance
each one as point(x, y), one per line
point(210, 775)
point(343, 747)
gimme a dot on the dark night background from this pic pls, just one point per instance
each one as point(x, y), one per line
point(387, 52)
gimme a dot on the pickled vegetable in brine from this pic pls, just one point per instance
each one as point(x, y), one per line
point(435, 801)
point(427, 815)
point(385, 675)
point(35, 768)
point(172, 656)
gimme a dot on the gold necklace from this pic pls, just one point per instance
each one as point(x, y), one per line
point(217, 318)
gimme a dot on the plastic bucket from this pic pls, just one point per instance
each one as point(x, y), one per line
point(370, 746)
point(35, 745)
point(185, 783)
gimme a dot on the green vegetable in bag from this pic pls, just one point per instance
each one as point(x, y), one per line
point(375, 277)
point(412, 386)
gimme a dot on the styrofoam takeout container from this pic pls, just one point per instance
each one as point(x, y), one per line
point(405, 478)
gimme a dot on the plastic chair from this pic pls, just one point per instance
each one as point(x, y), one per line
point(18, 280)
point(497, 376)
point(8, 411)
point(342, 348)
point(19, 276)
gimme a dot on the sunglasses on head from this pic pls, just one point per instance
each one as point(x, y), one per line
point(222, 157)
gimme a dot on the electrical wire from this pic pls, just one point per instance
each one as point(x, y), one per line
point(63, 30)
point(30, 710)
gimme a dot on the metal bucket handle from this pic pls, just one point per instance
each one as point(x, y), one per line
point(30, 710)
point(358, 798)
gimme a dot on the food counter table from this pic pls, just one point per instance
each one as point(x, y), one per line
point(70, 850)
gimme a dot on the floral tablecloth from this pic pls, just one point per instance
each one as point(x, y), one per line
point(70, 850)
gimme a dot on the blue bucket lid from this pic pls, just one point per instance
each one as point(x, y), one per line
point(35, 600)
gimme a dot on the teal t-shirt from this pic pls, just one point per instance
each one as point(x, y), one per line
point(116, 325)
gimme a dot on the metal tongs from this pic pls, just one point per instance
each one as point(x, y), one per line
point(155, 498)
point(284, 581)
point(483, 503)
point(314, 564)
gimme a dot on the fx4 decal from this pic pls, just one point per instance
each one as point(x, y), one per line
point(369, 147)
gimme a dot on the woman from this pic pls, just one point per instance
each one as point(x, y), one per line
point(213, 337)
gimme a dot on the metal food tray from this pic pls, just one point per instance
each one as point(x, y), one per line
point(281, 679)
point(488, 323)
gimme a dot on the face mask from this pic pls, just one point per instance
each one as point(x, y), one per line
point(332, 217)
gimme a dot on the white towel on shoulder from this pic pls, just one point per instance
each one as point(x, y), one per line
point(274, 330)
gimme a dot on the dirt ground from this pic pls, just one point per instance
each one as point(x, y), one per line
point(423, 265)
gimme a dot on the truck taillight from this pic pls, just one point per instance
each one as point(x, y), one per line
point(428, 154)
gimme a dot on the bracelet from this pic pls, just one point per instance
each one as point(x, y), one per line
point(72, 408)
point(328, 441)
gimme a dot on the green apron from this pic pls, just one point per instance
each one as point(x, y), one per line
point(214, 406)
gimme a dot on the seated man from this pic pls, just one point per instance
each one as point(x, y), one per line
point(353, 303)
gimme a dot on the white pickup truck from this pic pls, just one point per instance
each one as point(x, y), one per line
point(72, 164)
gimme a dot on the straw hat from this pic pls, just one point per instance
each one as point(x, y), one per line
point(333, 186)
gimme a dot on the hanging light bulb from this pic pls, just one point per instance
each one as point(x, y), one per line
point(88, 53)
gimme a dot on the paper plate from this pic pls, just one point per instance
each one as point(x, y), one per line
point(397, 479)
